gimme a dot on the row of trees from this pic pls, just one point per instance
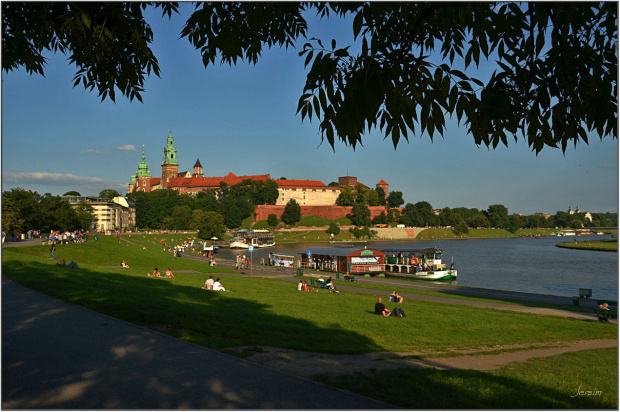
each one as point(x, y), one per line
point(212, 212)
point(24, 210)
point(362, 195)
point(421, 214)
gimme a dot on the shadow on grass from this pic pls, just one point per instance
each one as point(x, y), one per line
point(72, 362)
point(467, 389)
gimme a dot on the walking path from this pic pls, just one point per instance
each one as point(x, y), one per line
point(59, 356)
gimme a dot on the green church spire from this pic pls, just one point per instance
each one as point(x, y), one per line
point(143, 168)
point(170, 152)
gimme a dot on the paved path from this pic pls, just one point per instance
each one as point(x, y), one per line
point(59, 356)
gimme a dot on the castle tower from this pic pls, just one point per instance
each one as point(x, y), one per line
point(383, 185)
point(170, 164)
point(198, 169)
point(141, 181)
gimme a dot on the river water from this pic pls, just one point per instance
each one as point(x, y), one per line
point(512, 264)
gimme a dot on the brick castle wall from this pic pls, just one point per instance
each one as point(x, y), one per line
point(326, 212)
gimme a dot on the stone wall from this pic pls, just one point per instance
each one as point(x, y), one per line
point(326, 212)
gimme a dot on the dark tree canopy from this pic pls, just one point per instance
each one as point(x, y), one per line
point(555, 79)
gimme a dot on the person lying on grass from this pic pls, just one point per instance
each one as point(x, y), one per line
point(380, 309)
point(62, 263)
point(124, 264)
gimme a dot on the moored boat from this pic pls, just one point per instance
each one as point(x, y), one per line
point(425, 264)
point(258, 238)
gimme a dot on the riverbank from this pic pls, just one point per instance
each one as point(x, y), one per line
point(605, 245)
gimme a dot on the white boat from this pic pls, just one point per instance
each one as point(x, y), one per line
point(425, 264)
point(258, 238)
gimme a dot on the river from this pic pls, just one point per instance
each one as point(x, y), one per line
point(512, 264)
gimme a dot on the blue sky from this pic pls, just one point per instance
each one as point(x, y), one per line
point(242, 119)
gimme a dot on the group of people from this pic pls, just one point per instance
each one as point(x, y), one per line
point(156, 274)
point(329, 284)
point(211, 284)
point(242, 262)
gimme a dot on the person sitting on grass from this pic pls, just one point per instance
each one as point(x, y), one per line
point(395, 297)
point(169, 273)
point(124, 264)
point(218, 286)
point(209, 283)
point(380, 309)
point(155, 274)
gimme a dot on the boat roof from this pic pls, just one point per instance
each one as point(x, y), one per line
point(331, 251)
point(409, 250)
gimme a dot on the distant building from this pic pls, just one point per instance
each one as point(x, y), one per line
point(116, 214)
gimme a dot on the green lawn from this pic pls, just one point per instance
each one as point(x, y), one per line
point(271, 312)
point(610, 245)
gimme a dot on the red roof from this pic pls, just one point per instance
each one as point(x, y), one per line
point(382, 182)
point(299, 183)
point(213, 182)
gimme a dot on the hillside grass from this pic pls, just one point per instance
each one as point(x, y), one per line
point(273, 313)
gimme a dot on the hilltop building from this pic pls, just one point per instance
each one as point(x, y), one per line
point(309, 193)
point(587, 216)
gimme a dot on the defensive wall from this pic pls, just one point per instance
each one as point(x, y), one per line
point(388, 233)
point(327, 212)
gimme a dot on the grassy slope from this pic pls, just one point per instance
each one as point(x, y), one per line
point(271, 312)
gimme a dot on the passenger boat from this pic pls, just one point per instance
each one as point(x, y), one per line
point(425, 264)
point(258, 238)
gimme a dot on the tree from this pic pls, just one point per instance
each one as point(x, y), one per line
point(272, 220)
point(11, 221)
point(460, 228)
point(360, 215)
point(380, 219)
point(333, 229)
point(555, 79)
point(346, 197)
point(210, 224)
point(498, 216)
point(395, 199)
point(292, 212)
point(108, 194)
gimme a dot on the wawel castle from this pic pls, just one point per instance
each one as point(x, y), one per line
point(312, 195)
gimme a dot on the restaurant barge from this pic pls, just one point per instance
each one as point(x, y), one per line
point(426, 264)
point(344, 259)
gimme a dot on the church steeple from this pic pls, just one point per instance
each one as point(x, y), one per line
point(198, 169)
point(170, 152)
point(170, 164)
point(141, 181)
